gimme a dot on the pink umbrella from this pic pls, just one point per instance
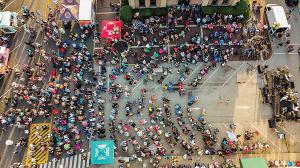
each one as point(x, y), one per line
point(160, 51)
point(77, 146)
point(156, 127)
point(143, 121)
point(127, 128)
point(148, 129)
point(84, 124)
point(210, 26)
point(64, 122)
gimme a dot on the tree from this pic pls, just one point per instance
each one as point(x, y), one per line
point(126, 13)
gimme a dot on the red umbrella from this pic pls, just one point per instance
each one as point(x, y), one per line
point(53, 74)
point(127, 128)
point(55, 111)
point(210, 26)
point(111, 29)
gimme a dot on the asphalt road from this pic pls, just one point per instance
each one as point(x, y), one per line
point(17, 58)
point(218, 82)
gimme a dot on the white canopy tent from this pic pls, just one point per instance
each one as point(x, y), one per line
point(277, 18)
point(86, 11)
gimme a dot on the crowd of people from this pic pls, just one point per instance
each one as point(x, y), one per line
point(65, 87)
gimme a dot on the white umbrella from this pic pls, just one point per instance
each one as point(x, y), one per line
point(9, 142)
point(231, 136)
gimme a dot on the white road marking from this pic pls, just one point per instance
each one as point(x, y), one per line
point(106, 13)
point(138, 84)
point(62, 162)
point(88, 159)
point(75, 161)
point(6, 146)
point(242, 107)
point(210, 77)
point(249, 79)
point(285, 53)
point(5, 92)
point(79, 160)
point(197, 68)
point(83, 162)
point(233, 74)
point(264, 135)
point(8, 5)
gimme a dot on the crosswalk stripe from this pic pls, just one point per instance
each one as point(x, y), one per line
point(71, 162)
point(62, 161)
point(83, 162)
point(88, 159)
point(75, 161)
point(66, 166)
point(54, 164)
point(79, 160)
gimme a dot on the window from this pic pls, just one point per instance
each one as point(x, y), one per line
point(152, 2)
point(225, 2)
point(214, 2)
point(142, 3)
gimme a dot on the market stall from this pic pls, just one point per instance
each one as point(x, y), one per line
point(69, 10)
point(86, 12)
point(279, 92)
point(253, 163)
point(111, 29)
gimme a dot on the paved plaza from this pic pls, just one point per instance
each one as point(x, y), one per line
point(176, 100)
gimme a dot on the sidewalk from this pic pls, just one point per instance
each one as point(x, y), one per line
point(208, 159)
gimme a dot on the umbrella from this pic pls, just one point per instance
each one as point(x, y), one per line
point(155, 55)
point(143, 121)
point(77, 146)
point(127, 128)
point(231, 136)
point(140, 133)
point(153, 149)
point(161, 51)
point(67, 146)
point(64, 122)
point(210, 26)
point(84, 123)
point(146, 50)
point(55, 111)
point(9, 142)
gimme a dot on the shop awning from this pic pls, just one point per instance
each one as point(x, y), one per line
point(69, 12)
point(102, 152)
point(111, 29)
point(253, 163)
point(85, 10)
point(85, 22)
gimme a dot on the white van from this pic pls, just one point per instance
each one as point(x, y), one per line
point(8, 22)
point(276, 18)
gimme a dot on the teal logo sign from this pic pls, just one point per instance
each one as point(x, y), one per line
point(102, 152)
